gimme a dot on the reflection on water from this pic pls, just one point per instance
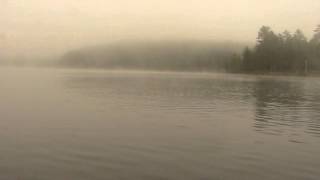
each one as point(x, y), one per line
point(279, 102)
point(283, 106)
point(77, 124)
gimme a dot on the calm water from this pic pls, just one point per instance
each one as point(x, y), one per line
point(80, 124)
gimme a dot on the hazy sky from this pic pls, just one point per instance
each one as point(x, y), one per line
point(48, 27)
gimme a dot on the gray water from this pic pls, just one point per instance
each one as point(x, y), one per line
point(86, 124)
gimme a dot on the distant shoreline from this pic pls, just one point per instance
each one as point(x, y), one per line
point(261, 74)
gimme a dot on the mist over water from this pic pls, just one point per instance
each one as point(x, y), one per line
point(88, 124)
point(149, 90)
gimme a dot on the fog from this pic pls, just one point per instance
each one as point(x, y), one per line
point(159, 89)
point(46, 28)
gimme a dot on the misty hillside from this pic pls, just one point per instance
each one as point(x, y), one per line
point(156, 55)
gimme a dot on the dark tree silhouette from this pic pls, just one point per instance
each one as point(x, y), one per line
point(284, 52)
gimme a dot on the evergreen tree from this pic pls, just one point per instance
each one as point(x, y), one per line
point(315, 49)
point(267, 50)
point(284, 52)
point(300, 51)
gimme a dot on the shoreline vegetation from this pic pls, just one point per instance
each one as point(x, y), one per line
point(273, 54)
point(155, 55)
point(284, 53)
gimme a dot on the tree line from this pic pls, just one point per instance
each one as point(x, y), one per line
point(170, 55)
point(283, 52)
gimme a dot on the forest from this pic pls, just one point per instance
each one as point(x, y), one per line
point(284, 52)
point(273, 52)
point(169, 55)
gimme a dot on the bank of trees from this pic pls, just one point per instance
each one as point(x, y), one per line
point(284, 52)
point(155, 55)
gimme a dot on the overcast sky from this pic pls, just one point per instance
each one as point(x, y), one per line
point(48, 27)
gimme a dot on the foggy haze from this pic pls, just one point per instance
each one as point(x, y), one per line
point(37, 28)
point(159, 89)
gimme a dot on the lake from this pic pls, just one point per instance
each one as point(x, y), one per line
point(93, 124)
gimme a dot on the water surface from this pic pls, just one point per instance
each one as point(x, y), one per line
point(86, 124)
